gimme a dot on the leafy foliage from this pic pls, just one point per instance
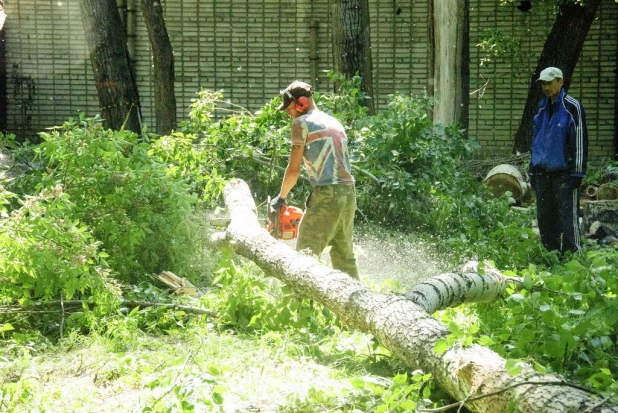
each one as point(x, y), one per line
point(136, 210)
point(250, 302)
point(403, 394)
point(244, 145)
point(564, 319)
point(46, 252)
point(415, 161)
point(495, 44)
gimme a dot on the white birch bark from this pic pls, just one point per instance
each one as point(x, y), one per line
point(451, 289)
point(399, 324)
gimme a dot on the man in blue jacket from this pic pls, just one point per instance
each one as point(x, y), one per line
point(558, 163)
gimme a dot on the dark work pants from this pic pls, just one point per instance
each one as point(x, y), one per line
point(557, 211)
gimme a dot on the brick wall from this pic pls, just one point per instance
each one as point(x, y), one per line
point(250, 49)
point(49, 75)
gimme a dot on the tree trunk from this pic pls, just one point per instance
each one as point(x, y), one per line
point(451, 73)
point(163, 59)
point(616, 106)
point(107, 42)
point(352, 44)
point(562, 49)
point(3, 91)
point(399, 324)
point(431, 54)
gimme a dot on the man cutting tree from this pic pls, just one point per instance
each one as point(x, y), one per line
point(320, 141)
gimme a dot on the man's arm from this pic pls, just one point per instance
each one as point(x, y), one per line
point(292, 171)
point(580, 140)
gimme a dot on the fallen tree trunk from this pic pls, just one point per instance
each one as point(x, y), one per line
point(474, 374)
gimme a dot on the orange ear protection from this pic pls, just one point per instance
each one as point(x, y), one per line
point(301, 103)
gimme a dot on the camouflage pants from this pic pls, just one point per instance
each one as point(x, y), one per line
point(329, 220)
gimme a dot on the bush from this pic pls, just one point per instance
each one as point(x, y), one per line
point(46, 253)
point(564, 319)
point(248, 146)
point(141, 215)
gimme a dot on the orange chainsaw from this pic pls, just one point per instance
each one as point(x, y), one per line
point(282, 225)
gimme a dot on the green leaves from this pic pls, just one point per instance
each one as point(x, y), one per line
point(404, 393)
point(44, 253)
point(133, 205)
point(563, 321)
point(462, 336)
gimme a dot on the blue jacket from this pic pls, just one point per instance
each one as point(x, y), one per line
point(560, 140)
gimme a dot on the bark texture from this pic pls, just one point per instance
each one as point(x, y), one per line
point(352, 43)
point(107, 44)
point(163, 62)
point(399, 324)
point(450, 66)
point(562, 49)
point(451, 289)
point(3, 91)
point(616, 107)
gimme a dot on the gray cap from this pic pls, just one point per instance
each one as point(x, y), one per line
point(550, 74)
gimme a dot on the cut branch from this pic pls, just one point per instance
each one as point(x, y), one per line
point(74, 305)
point(450, 290)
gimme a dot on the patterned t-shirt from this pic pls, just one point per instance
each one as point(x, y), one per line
point(326, 148)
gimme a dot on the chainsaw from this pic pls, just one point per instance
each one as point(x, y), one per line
point(282, 224)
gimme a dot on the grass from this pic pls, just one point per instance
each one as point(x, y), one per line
point(258, 372)
point(156, 361)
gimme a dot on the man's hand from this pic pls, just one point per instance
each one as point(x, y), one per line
point(276, 203)
point(576, 181)
point(533, 179)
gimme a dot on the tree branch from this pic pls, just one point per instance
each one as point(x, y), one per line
point(129, 303)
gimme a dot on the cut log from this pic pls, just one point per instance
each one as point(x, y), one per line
point(607, 191)
point(590, 191)
point(400, 325)
point(504, 178)
point(605, 212)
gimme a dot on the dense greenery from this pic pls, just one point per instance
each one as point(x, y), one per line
point(98, 213)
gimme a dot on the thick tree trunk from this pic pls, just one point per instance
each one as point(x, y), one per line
point(451, 62)
point(399, 324)
point(616, 106)
point(562, 49)
point(163, 59)
point(352, 43)
point(107, 42)
point(3, 91)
